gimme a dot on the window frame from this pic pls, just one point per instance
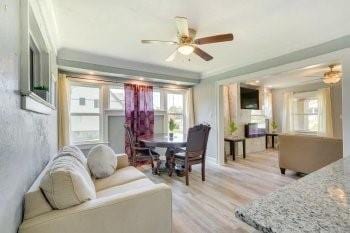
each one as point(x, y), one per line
point(34, 35)
point(100, 113)
point(166, 121)
point(312, 95)
point(106, 112)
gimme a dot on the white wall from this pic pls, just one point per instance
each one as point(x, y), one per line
point(205, 111)
point(277, 103)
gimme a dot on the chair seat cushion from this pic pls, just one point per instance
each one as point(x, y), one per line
point(121, 176)
point(181, 155)
point(137, 184)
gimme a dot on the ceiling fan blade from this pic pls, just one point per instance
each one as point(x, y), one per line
point(182, 26)
point(172, 56)
point(159, 42)
point(214, 39)
point(205, 56)
point(312, 80)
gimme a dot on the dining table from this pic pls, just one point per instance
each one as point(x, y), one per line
point(172, 144)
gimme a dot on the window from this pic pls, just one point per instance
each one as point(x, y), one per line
point(306, 114)
point(85, 113)
point(92, 106)
point(175, 110)
point(156, 100)
point(116, 98)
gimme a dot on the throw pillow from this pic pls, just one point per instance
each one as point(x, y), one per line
point(67, 183)
point(102, 161)
point(77, 153)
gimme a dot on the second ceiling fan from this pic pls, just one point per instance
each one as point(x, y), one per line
point(187, 43)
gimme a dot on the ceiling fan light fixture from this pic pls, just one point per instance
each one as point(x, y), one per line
point(185, 49)
point(331, 77)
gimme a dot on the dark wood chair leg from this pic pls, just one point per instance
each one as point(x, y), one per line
point(190, 168)
point(243, 143)
point(171, 165)
point(186, 174)
point(283, 171)
point(203, 171)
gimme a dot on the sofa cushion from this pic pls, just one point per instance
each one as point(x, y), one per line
point(133, 185)
point(67, 183)
point(122, 160)
point(121, 176)
point(102, 161)
point(35, 202)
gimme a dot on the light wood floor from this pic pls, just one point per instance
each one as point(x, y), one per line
point(209, 206)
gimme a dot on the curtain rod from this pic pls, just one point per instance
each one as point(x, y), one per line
point(102, 79)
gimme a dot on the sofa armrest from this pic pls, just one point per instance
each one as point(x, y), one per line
point(122, 160)
point(146, 209)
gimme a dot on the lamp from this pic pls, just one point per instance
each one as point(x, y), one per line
point(331, 76)
point(185, 49)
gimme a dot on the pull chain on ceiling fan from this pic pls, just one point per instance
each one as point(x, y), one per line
point(186, 42)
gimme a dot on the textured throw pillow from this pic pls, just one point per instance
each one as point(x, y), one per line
point(67, 183)
point(77, 153)
point(101, 161)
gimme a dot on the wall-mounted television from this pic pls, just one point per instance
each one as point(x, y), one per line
point(249, 98)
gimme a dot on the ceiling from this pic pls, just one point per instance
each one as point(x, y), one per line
point(262, 29)
point(310, 74)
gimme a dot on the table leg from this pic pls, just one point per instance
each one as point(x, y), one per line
point(233, 151)
point(273, 141)
point(266, 142)
point(243, 142)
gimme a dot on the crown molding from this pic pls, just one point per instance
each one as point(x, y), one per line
point(71, 60)
point(314, 51)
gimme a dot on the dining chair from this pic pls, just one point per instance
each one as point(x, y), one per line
point(138, 152)
point(195, 151)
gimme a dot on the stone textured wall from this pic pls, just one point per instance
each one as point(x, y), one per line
point(27, 139)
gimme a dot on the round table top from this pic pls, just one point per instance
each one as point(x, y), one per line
point(163, 140)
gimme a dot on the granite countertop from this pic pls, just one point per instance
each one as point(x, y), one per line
point(319, 202)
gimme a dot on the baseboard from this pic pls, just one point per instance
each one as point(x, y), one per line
point(211, 159)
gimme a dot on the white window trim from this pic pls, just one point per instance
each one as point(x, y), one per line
point(309, 95)
point(102, 138)
point(170, 91)
point(29, 100)
point(106, 112)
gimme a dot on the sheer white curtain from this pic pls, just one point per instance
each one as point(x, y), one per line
point(325, 125)
point(268, 104)
point(287, 120)
point(189, 108)
point(230, 105)
point(63, 110)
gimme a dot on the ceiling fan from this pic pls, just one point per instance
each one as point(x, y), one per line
point(329, 77)
point(187, 43)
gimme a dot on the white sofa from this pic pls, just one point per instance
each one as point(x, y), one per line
point(126, 202)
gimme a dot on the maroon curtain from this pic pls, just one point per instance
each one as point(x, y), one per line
point(139, 113)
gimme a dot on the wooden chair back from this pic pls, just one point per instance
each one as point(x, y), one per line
point(197, 139)
point(130, 138)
